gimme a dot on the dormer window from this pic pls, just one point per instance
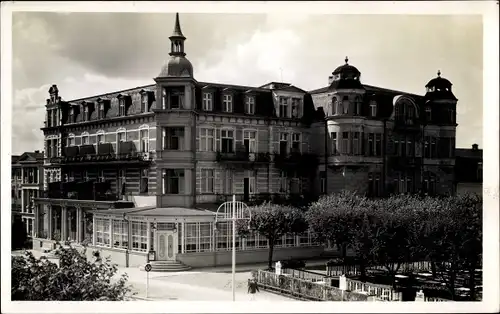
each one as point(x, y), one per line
point(250, 105)
point(85, 112)
point(71, 115)
point(121, 104)
point(284, 107)
point(373, 109)
point(227, 103)
point(428, 114)
point(207, 102)
point(295, 107)
point(144, 102)
point(101, 110)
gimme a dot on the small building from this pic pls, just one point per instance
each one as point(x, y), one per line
point(26, 185)
point(469, 170)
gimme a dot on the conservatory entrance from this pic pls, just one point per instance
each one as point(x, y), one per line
point(167, 241)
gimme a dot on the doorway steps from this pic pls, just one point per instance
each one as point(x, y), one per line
point(167, 266)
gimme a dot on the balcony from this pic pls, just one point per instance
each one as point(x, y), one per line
point(403, 162)
point(242, 156)
point(86, 154)
point(81, 190)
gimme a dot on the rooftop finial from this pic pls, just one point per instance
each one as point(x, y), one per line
point(177, 28)
point(439, 73)
point(346, 60)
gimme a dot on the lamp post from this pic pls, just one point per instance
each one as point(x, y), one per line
point(233, 211)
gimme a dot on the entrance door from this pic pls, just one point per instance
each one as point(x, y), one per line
point(167, 245)
point(246, 189)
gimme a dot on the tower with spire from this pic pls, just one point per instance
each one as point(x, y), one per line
point(175, 83)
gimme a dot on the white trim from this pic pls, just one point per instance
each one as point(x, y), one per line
point(144, 126)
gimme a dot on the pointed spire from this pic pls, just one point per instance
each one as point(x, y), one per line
point(439, 73)
point(177, 28)
point(346, 60)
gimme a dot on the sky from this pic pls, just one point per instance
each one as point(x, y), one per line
point(87, 54)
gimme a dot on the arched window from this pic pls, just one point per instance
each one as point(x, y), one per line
point(85, 138)
point(373, 108)
point(71, 140)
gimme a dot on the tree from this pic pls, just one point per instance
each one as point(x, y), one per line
point(19, 234)
point(457, 240)
point(75, 279)
point(273, 222)
point(329, 218)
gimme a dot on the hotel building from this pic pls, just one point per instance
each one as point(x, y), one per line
point(144, 169)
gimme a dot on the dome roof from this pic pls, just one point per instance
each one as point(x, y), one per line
point(346, 69)
point(439, 83)
point(177, 66)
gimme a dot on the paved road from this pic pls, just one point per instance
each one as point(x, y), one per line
point(194, 286)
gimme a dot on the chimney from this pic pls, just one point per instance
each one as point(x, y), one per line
point(475, 147)
point(330, 80)
point(37, 151)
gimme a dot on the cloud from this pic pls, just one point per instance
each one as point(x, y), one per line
point(92, 53)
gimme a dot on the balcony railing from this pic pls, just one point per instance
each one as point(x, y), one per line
point(243, 156)
point(81, 190)
point(105, 153)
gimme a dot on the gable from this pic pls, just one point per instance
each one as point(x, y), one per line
point(26, 157)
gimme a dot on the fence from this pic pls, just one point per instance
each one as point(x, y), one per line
point(381, 292)
point(352, 269)
point(305, 289)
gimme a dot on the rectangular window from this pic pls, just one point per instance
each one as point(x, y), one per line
point(120, 137)
point(85, 140)
point(252, 188)
point(173, 138)
point(191, 236)
point(355, 144)
point(397, 146)
point(345, 142)
point(227, 141)
point(207, 181)
point(250, 105)
point(144, 102)
point(283, 182)
point(122, 107)
point(207, 140)
point(86, 113)
point(71, 141)
point(410, 152)
point(101, 110)
point(322, 176)
point(100, 138)
point(71, 117)
point(144, 134)
point(334, 143)
point(427, 152)
point(227, 103)
point(173, 181)
point(102, 232)
point(284, 112)
point(207, 102)
point(296, 141)
point(373, 109)
point(176, 98)
point(120, 234)
point(139, 236)
point(433, 148)
point(428, 114)
point(378, 144)
point(250, 141)
point(144, 181)
point(283, 143)
point(295, 107)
